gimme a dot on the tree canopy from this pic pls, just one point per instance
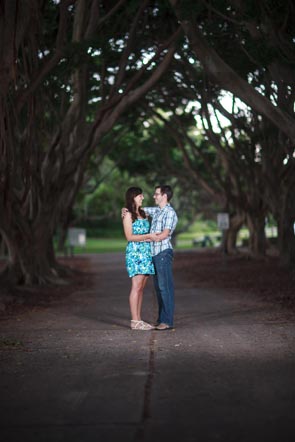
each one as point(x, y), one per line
point(82, 80)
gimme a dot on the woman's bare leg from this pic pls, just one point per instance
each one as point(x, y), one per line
point(135, 298)
point(140, 297)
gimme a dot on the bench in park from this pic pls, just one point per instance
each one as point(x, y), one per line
point(206, 241)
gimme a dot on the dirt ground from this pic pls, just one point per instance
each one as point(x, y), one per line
point(264, 278)
point(206, 268)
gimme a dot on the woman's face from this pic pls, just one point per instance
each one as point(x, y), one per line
point(139, 199)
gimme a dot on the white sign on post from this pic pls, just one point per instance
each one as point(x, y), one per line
point(76, 237)
point(223, 221)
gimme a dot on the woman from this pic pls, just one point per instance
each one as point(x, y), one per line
point(138, 254)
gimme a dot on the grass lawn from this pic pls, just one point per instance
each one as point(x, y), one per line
point(102, 245)
point(184, 240)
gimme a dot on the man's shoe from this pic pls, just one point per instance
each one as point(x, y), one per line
point(162, 327)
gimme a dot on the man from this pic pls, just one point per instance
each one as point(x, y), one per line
point(164, 220)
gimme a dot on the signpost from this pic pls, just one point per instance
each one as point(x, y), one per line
point(223, 221)
point(223, 225)
point(76, 237)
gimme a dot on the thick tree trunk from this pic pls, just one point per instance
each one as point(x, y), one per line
point(256, 226)
point(27, 267)
point(31, 258)
point(286, 236)
point(66, 218)
point(287, 243)
point(3, 247)
point(229, 240)
point(62, 237)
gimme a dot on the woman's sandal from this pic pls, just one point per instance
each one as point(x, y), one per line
point(140, 325)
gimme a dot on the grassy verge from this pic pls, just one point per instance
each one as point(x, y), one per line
point(100, 245)
point(117, 243)
point(103, 245)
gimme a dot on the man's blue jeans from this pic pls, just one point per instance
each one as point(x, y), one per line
point(164, 286)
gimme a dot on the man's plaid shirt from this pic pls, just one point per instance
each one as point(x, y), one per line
point(165, 218)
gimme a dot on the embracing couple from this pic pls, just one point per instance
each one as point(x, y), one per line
point(149, 252)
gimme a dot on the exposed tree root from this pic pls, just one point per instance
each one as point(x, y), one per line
point(12, 276)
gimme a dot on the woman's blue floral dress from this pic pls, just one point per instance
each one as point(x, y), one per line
point(138, 254)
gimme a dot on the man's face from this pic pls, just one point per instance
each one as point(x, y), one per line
point(158, 197)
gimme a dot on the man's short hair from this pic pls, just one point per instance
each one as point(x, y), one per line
point(165, 189)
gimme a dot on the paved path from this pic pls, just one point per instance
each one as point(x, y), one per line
point(81, 375)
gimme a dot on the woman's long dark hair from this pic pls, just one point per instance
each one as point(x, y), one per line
point(131, 193)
